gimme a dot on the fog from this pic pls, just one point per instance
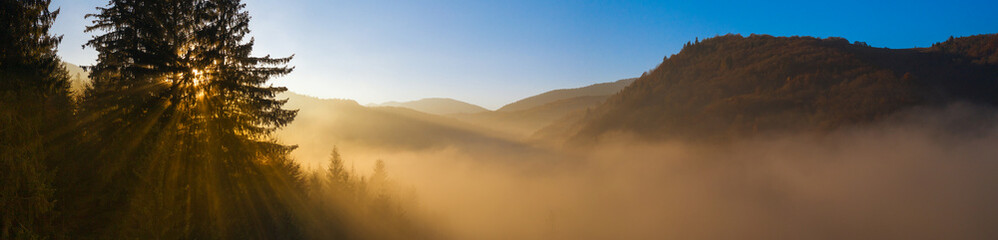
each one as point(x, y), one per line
point(923, 174)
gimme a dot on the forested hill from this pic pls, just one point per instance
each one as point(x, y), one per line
point(736, 86)
point(438, 106)
point(599, 89)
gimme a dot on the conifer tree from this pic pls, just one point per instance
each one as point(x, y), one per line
point(379, 178)
point(28, 60)
point(35, 113)
point(338, 174)
point(184, 118)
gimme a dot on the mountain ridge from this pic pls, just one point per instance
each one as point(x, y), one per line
point(524, 117)
point(438, 106)
point(732, 86)
point(598, 89)
point(322, 123)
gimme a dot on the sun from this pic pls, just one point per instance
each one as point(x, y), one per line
point(194, 81)
point(197, 77)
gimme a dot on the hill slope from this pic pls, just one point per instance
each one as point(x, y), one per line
point(438, 106)
point(523, 123)
point(77, 77)
point(735, 86)
point(599, 89)
point(524, 117)
point(322, 123)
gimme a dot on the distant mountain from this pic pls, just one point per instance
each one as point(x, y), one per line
point(731, 86)
point(77, 77)
point(438, 106)
point(524, 117)
point(523, 123)
point(600, 89)
point(322, 123)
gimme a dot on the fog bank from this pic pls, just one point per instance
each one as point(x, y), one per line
point(928, 174)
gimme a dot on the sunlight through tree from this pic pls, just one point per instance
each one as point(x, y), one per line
point(185, 116)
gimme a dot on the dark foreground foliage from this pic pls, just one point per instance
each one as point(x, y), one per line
point(35, 112)
point(170, 140)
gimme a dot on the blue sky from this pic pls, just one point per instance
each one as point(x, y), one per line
point(494, 52)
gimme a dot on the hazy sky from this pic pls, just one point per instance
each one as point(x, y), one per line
point(494, 52)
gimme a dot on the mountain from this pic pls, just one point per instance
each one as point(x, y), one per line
point(730, 86)
point(600, 89)
point(523, 123)
point(322, 123)
point(524, 117)
point(77, 77)
point(438, 106)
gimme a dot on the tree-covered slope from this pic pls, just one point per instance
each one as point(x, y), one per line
point(78, 79)
point(523, 123)
point(524, 117)
point(736, 86)
point(438, 106)
point(599, 89)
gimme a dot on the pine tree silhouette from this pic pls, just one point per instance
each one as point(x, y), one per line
point(35, 114)
point(184, 117)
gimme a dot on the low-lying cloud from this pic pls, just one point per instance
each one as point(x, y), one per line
point(927, 174)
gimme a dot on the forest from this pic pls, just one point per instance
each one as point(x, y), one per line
point(734, 86)
point(171, 139)
point(183, 129)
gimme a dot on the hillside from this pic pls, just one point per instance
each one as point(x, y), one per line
point(731, 86)
point(77, 77)
point(523, 118)
point(523, 123)
point(599, 89)
point(322, 123)
point(438, 106)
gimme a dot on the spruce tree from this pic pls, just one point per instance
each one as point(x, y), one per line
point(184, 120)
point(35, 114)
point(338, 174)
point(28, 60)
point(379, 179)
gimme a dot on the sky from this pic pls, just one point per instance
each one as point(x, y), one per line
point(492, 53)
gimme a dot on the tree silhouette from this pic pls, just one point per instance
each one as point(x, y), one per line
point(183, 117)
point(378, 182)
point(338, 175)
point(35, 115)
